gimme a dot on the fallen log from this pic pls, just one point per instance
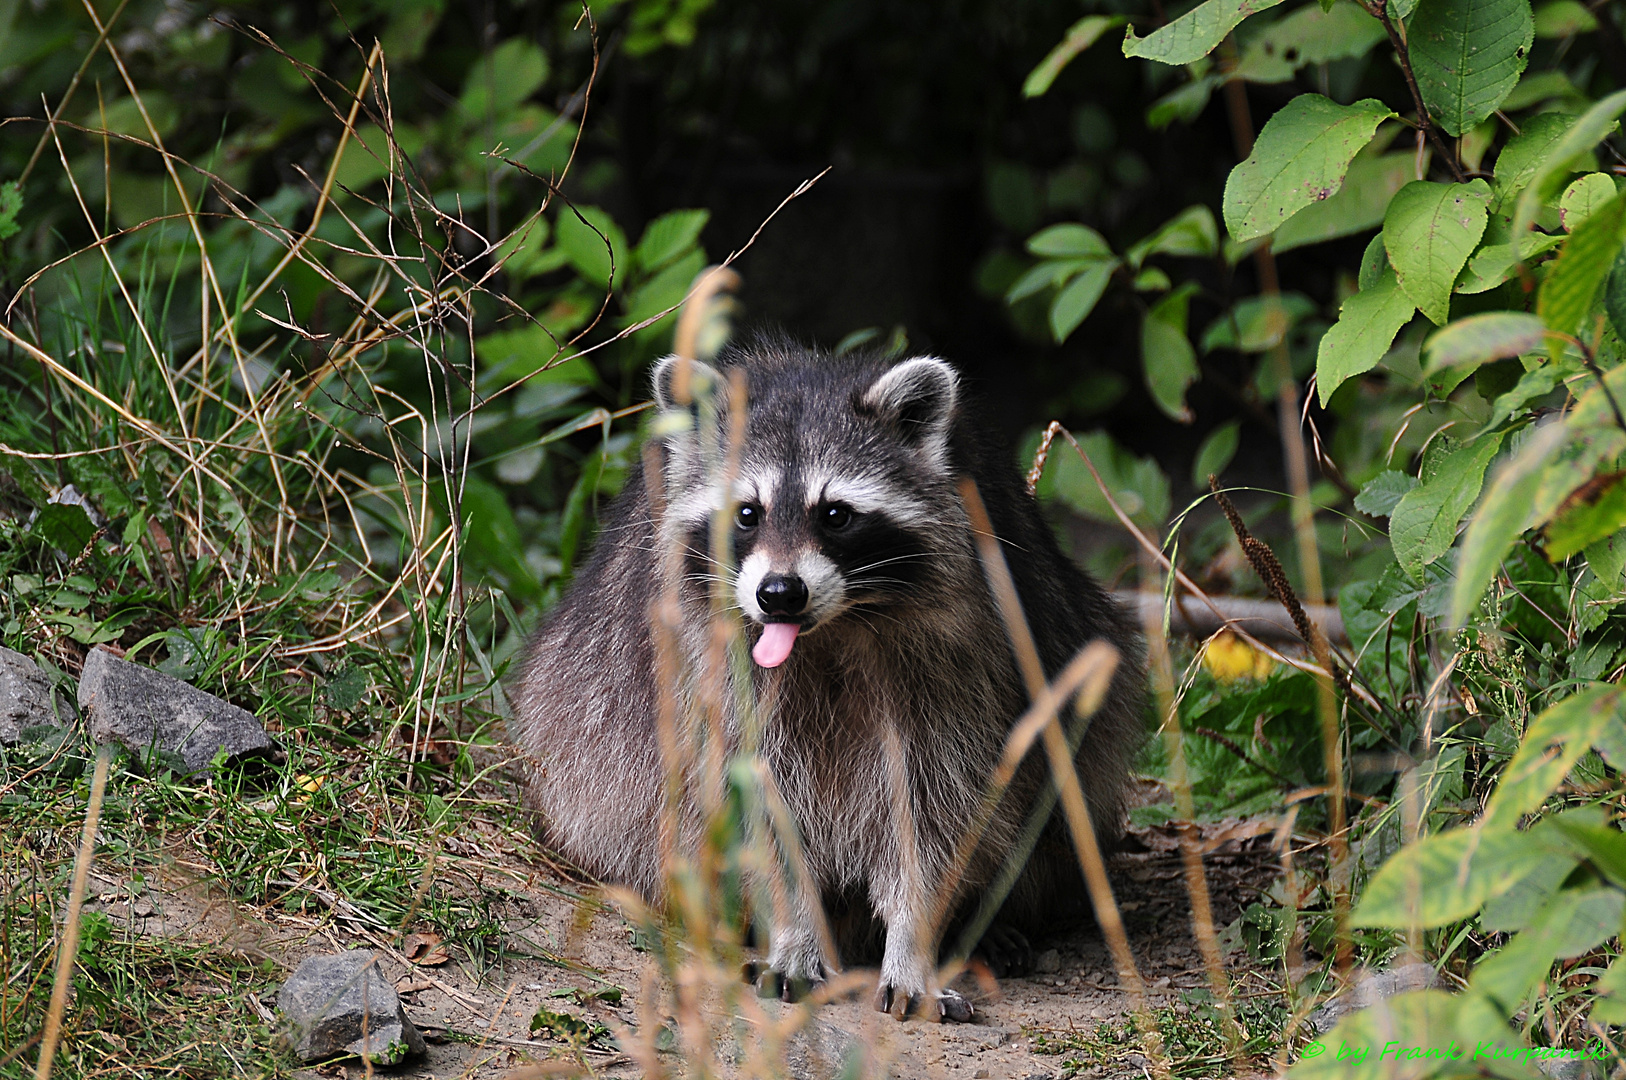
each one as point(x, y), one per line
point(1264, 619)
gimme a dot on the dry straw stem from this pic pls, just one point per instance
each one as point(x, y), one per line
point(1063, 770)
point(1202, 911)
point(69, 947)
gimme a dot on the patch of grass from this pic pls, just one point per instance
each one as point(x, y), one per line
point(1192, 1032)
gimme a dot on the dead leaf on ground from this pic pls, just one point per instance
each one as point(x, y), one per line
point(425, 949)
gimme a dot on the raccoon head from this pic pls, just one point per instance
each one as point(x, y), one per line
point(843, 497)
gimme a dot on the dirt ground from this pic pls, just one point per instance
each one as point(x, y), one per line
point(477, 1016)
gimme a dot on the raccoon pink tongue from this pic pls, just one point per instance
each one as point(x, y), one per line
point(773, 648)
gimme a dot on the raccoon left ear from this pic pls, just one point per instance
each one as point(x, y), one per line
point(917, 396)
point(664, 377)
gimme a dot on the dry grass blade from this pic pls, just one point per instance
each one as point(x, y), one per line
point(1063, 771)
point(1202, 911)
point(69, 947)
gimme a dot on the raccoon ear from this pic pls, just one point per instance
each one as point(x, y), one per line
point(664, 379)
point(917, 396)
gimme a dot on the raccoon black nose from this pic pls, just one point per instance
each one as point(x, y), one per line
point(782, 594)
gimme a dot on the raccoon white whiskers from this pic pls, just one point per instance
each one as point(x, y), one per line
point(889, 693)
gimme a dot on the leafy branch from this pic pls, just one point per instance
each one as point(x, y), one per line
point(1379, 10)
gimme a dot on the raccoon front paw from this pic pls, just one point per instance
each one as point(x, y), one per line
point(947, 1005)
point(776, 984)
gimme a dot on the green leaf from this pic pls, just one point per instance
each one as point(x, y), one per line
point(1583, 265)
point(1429, 232)
point(1300, 158)
point(1069, 240)
point(1585, 194)
point(1344, 31)
point(1493, 264)
point(1080, 36)
point(512, 72)
point(1195, 34)
point(668, 237)
point(1610, 1006)
point(1190, 232)
point(1614, 294)
point(1445, 877)
point(1552, 745)
point(1574, 922)
point(1505, 513)
point(1424, 521)
point(1467, 55)
point(1137, 484)
point(65, 526)
point(1051, 272)
point(1517, 908)
point(1073, 303)
point(1607, 558)
point(1184, 103)
point(1152, 279)
point(1257, 324)
point(1374, 264)
point(1557, 159)
point(1215, 453)
point(1357, 206)
point(1564, 18)
point(1380, 494)
point(1593, 512)
point(1366, 327)
point(1541, 86)
point(1167, 355)
point(11, 204)
point(1604, 845)
point(591, 239)
point(1524, 154)
point(1479, 339)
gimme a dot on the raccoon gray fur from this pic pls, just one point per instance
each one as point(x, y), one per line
point(876, 639)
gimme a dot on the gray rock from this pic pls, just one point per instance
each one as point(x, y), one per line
point(146, 710)
point(1048, 962)
point(28, 698)
point(1569, 1068)
point(1372, 989)
point(339, 1005)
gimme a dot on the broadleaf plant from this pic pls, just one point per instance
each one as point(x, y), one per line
point(1470, 373)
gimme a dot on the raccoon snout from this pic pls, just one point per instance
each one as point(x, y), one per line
point(782, 594)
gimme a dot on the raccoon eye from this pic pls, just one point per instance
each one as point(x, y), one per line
point(837, 516)
point(748, 516)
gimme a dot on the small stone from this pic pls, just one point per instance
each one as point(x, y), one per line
point(340, 1004)
point(1373, 988)
point(146, 710)
point(980, 1074)
point(1569, 1068)
point(28, 698)
point(1047, 962)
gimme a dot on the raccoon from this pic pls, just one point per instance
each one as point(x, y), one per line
point(890, 680)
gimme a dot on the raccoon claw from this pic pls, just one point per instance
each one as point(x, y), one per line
point(775, 984)
point(1007, 952)
point(950, 1005)
point(954, 1007)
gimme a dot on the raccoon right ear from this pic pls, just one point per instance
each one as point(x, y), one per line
point(918, 397)
point(665, 378)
